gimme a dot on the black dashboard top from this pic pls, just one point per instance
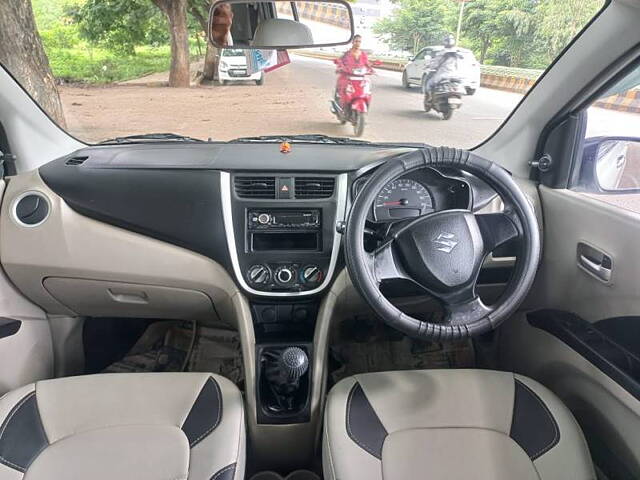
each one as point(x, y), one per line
point(239, 156)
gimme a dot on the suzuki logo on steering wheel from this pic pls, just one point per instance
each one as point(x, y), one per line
point(445, 242)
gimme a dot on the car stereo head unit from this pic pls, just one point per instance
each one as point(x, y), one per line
point(277, 219)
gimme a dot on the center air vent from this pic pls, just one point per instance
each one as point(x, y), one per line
point(314, 187)
point(255, 187)
point(76, 161)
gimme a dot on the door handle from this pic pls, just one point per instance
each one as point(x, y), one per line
point(595, 261)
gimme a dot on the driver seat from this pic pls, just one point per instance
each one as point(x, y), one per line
point(450, 424)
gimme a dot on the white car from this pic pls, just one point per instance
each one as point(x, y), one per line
point(233, 67)
point(415, 70)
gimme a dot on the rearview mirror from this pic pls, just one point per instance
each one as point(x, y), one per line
point(280, 24)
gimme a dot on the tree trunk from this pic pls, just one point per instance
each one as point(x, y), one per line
point(211, 59)
point(484, 50)
point(22, 53)
point(176, 12)
point(199, 9)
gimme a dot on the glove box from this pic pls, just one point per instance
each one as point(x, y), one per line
point(100, 298)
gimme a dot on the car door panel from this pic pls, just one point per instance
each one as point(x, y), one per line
point(572, 218)
point(607, 413)
point(571, 358)
point(417, 66)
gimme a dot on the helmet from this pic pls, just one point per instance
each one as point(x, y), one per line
point(449, 41)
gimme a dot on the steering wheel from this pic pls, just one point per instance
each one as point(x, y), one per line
point(443, 252)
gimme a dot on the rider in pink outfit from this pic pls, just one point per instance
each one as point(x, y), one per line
point(353, 58)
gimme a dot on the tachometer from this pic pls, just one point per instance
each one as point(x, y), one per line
point(402, 198)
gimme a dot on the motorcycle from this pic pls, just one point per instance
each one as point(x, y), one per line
point(445, 97)
point(352, 104)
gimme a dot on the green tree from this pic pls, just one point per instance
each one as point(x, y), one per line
point(561, 20)
point(502, 30)
point(416, 23)
point(482, 21)
point(518, 32)
point(123, 24)
point(120, 25)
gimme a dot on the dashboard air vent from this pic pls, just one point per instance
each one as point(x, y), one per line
point(31, 209)
point(76, 161)
point(314, 187)
point(255, 187)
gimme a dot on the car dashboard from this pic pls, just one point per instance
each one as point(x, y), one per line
point(124, 223)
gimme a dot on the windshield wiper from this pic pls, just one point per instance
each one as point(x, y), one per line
point(311, 138)
point(151, 137)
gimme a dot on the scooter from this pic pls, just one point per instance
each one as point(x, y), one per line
point(353, 104)
point(445, 98)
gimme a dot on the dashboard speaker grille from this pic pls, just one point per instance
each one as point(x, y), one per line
point(255, 187)
point(314, 187)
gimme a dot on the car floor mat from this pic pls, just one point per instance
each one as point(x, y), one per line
point(366, 345)
point(167, 347)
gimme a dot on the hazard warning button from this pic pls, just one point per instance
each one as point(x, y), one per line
point(285, 187)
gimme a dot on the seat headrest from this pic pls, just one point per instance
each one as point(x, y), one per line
point(281, 32)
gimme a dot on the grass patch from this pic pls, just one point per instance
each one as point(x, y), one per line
point(82, 64)
point(96, 65)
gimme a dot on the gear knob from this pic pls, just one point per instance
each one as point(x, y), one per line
point(293, 363)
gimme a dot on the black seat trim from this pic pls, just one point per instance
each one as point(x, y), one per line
point(22, 436)
point(363, 425)
point(9, 327)
point(226, 473)
point(533, 426)
point(205, 414)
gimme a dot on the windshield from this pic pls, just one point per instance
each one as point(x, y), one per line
point(107, 68)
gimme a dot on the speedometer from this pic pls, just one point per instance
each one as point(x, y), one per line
point(402, 198)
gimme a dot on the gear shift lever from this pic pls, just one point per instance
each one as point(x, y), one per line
point(293, 363)
point(284, 382)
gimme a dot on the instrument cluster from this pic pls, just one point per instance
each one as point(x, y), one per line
point(418, 193)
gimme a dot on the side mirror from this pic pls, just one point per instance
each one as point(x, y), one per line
point(618, 165)
point(612, 165)
point(280, 24)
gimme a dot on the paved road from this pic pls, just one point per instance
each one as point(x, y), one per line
point(397, 114)
point(295, 99)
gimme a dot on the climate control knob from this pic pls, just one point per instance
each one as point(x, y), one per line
point(259, 274)
point(311, 274)
point(284, 275)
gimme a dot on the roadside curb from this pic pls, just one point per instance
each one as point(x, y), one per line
point(509, 83)
point(629, 102)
